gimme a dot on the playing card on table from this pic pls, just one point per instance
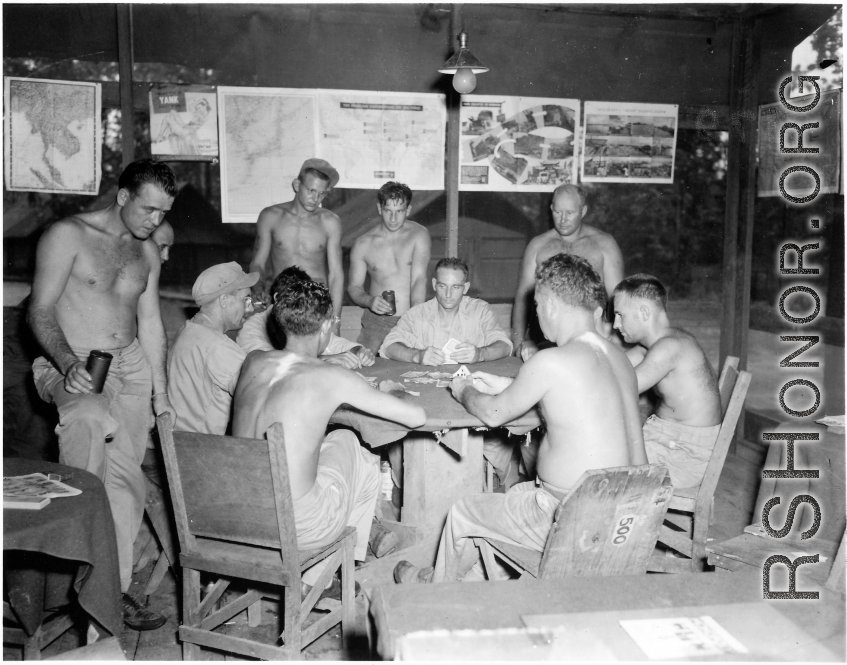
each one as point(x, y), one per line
point(440, 375)
point(412, 375)
point(448, 350)
point(462, 373)
point(442, 384)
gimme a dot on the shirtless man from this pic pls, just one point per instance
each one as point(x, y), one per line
point(302, 233)
point(682, 432)
point(334, 481)
point(571, 236)
point(588, 395)
point(163, 236)
point(395, 255)
point(97, 287)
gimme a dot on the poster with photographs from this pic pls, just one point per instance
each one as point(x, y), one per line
point(183, 122)
point(517, 144)
point(629, 142)
point(826, 137)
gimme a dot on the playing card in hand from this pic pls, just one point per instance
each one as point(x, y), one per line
point(462, 373)
point(448, 350)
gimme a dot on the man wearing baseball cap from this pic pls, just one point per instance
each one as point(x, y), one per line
point(203, 363)
point(300, 232)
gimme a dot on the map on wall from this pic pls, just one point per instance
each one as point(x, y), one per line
point(264, 136)
point(518, 144)
point(374, 137)
point(826, 137)
point(53, 136)
point(629, 142)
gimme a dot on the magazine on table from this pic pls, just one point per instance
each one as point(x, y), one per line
point(34, 491)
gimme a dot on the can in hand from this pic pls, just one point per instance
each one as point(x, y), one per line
point(388, 296)
point(98, 367)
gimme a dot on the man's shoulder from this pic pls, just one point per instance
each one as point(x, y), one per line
point(670, 345)
point(329, 219)
point(75, 227)
point(274, 214)
point(424, 308)
point(542, 239)
point(600, 237)
point(415, 229)
point(474, 304)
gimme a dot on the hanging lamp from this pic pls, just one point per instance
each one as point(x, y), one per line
point(464, 66)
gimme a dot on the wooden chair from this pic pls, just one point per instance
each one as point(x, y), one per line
point(691, 508)
point(53, 626)
point(606, 525)
point(235, 519)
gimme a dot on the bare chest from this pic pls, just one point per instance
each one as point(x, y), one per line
point(299, 238)
point(113, 267)
point(388, 258)
point(586, 248)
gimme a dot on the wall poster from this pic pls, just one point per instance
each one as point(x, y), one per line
point(183, 122)
point(374, 137)
point(517, 144)
point(265, 135)
point(54, 137)
point(629, 142)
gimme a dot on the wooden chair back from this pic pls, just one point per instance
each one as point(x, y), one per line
point(608, 524)
point(733, 386)
point(230, 488)
point(726, 382)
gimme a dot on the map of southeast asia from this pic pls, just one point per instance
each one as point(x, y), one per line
point(264, 136)
point(53, 136)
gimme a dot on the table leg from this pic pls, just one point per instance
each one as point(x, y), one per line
point(435, 477)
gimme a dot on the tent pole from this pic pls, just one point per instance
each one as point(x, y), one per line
point(125, 62)
point(453, 128)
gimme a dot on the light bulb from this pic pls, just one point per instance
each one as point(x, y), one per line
point(464, 80)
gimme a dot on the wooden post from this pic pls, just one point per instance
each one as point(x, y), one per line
point(741, 190)
point(125, 60)
point(740, 194)
point(453, 130)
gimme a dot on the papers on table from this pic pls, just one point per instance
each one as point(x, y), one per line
point(34, 491)
point(681, 638)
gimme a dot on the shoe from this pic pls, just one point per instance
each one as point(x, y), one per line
point(382, 541)
point(330, 597)
point(406, 573)
point(140, 618)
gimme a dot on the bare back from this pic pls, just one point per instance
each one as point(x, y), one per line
point(590, 408)
point(279, 386)
point(97, 277)
point(393, 261)
point(298, 241)
point(688, 392)
point(302, 393)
